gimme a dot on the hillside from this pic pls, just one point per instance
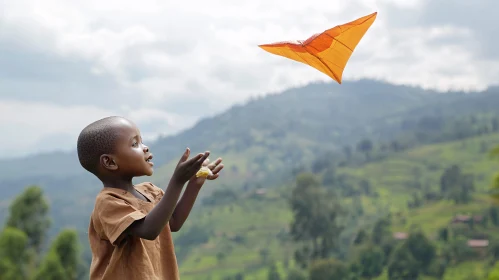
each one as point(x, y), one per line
point(243, 221)
point(316, 112)
point(226, 228)
point(234, 232)
point(258, 140)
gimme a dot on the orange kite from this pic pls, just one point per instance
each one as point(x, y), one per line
point(328, 51)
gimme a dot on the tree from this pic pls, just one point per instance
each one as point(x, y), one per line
point(295, 274)
point(371, 260)
point(51, 268)
point(443, 234)
point(264, 255)
point(381, 230)
point(456, 185)
point(402, 265)
point(314, 223)
point(421, 248)
point(449, 179)
point(66, 247)
point(494, 273)
point(328, 269)
point(323, 162)
point(494, 215)
point(365, 187)
point(495, 124)
point(273, 273)
point(361, 237)
point(494, 249)
point(29, 213)
point(13, 244)
point(457, 250)
point(329, 178)
point(13, 254)
point(396, 146)
point(437, 268)
point(220, 257)
point(365, 146)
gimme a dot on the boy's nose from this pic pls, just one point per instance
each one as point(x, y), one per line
point(146, 149)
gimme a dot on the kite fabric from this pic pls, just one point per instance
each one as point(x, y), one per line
point(328, 51)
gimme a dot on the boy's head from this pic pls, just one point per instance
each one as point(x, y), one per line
point(113, 147)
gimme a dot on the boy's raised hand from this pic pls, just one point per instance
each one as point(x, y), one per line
point(215, 168)
point(187, 168)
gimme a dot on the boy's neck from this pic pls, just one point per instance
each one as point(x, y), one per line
point(118, 183)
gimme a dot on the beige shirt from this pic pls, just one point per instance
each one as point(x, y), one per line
point(131, 258)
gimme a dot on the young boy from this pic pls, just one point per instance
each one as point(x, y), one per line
point(130, 226)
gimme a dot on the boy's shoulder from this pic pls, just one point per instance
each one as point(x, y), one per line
point(112, 197)
point(151, 191)
point(119, 193)
point(149, 188)
point(110, 194)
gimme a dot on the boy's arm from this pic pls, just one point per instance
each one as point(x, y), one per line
point(185, 205)
point(151, 225)
point(190, 195)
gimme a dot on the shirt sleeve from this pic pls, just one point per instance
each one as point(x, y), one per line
point(115, 216)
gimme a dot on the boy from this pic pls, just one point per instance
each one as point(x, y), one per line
point(130, 226)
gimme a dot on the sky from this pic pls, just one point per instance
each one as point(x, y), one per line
point(166, 64)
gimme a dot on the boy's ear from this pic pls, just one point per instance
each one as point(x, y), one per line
point(108, 162)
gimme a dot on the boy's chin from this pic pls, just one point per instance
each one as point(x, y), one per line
point(145, 173)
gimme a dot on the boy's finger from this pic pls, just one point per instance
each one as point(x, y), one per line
point(185, 156)
point(194, 159)
point(217, 169)
point(212, 177)
point(215, 163)
point(202, 159)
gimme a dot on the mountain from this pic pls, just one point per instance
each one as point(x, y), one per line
point(318, 112)
point(246, 233)
point(267, 136)
point(264, 142)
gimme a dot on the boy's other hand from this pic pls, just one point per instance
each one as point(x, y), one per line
point(215, 168)
point(187, 168)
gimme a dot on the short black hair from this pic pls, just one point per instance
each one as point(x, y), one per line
point(96, 139)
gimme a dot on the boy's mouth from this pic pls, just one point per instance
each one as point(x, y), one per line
point(148, 160)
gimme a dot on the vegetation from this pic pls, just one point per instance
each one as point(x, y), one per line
point(22, 237)
point(366, 181)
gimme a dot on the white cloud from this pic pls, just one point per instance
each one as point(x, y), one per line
point(45, 126)
point(26, 125)
point(165, 64)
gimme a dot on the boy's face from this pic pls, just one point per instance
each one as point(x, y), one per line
point(131, 155)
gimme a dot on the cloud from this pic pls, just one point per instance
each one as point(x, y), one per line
point(44, 127)
point(166, 64)
point(41, 127)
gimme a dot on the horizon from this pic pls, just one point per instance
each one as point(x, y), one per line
point(244, 103)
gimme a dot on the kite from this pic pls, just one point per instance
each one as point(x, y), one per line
point(328, 51)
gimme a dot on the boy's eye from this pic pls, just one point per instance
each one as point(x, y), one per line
point(134, 144)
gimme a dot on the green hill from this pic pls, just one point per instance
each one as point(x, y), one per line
point(259, 141)
point(321, 112)
point(242, 223)
point(241, 228)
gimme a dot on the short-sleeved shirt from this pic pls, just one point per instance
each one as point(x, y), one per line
point(130, 258)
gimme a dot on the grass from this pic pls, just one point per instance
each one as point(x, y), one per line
point(259, 220)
